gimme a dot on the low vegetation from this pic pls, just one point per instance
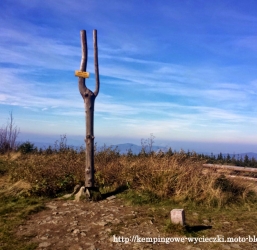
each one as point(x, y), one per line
point(15, 206)
point(148, 178)
point(176, 176)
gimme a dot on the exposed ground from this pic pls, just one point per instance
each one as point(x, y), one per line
point(65, 224)
point(91, 225)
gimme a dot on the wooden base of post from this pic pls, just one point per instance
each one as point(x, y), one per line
point(93, 193)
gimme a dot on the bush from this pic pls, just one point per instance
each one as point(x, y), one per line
point(50, 174)
point(27, 147)
point(177, 176)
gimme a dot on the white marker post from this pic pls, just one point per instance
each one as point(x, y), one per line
point(177, 216)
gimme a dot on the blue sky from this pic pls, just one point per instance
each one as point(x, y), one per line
point(182, 70)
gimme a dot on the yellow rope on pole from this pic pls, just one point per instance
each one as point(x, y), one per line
point(82, 74)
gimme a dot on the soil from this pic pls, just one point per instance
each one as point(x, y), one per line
point(92, 225)
point(88, 225)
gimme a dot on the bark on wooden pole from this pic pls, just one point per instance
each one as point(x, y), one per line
point(89, 101)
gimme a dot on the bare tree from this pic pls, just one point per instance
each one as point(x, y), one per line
point(8, 136)
point(151, 142)
point(147, 144)
point(89, 101)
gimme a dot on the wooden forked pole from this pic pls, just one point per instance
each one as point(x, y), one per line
point(89, 101)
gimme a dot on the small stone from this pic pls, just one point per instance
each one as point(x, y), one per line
point(49, 218)
point(76, 231)
point(206, 221)
point(226, 247)
point(103, 238)
point(51, 206)
point(240, 229)
point(111, 197)
point(102, 223)
point(236, 246)
point(74, 247)
point(116, 221)
point(74, 223)
point(66, 196)
point(44, 244)
point(86, 229)
point(82, 213)
point(92, 247)
point(226, 223)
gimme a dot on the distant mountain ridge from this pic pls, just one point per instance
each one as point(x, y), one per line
point(124, 148)
point(136, 149)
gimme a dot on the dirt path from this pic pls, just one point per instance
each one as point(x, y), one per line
point(91, 226)
point(87, 225)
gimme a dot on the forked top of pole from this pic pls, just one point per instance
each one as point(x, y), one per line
point(82, 74)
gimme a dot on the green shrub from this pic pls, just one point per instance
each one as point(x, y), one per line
point(27, 147)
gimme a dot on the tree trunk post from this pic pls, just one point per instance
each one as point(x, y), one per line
point(89, 101)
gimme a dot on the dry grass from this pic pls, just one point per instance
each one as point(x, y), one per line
point(177, 177)
point(49, 174)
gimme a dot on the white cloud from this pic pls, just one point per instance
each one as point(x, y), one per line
point(182, 78)
point(33, 50)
